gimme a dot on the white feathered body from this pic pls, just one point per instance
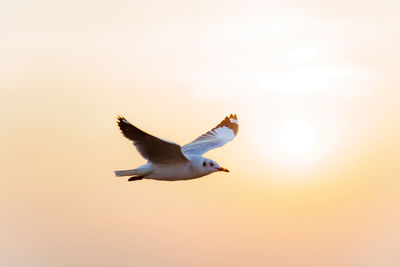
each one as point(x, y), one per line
point(170, 172)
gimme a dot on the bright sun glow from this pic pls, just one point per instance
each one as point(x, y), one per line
point(297, 138)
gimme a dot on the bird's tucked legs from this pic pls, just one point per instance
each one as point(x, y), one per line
point(135, 178)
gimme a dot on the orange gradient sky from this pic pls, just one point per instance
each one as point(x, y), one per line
point(325, 196)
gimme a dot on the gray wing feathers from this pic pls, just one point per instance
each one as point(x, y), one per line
point(224, 132)
point(150, 147)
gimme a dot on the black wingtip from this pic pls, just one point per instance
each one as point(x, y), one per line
point(228, 123)
point(233, 116)
point(121, 120)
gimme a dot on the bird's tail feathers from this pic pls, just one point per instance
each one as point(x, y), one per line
point(141, 171)
point(125, 173)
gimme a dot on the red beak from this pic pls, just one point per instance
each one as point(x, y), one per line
point(222, 169)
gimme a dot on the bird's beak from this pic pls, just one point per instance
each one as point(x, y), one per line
point(222, 169)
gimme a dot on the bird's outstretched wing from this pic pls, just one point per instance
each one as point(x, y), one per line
point(151, 148)
point(216, 137)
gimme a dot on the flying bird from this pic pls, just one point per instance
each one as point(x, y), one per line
point(168, 161)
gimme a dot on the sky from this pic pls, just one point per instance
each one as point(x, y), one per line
point(315, 167)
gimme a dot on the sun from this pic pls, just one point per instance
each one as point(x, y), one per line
point(296, 138)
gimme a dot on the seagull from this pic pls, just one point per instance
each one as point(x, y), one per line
point(168, 161)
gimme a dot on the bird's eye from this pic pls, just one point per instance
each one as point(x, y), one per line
point(211, 164)
point(204, 164)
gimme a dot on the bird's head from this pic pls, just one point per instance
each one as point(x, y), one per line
point(210, 166)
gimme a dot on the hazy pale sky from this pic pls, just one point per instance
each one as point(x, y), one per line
point(315, 168)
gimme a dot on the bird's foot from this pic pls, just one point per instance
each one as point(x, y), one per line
point(135, 178)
